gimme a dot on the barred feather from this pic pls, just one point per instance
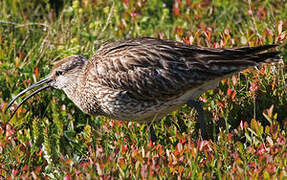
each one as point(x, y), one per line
point(149, 68)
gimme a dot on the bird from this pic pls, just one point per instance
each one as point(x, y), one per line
point(144, 79)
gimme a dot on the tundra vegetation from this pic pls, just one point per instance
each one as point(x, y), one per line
point(50, 137)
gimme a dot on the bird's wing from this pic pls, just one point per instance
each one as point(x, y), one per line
point(149, 68)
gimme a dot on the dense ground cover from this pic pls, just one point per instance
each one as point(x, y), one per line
point(50, 137)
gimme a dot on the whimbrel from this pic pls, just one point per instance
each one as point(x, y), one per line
point(146, 78)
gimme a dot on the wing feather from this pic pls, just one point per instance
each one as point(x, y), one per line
point(149, 68)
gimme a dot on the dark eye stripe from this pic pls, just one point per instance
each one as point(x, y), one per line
point(58, 73)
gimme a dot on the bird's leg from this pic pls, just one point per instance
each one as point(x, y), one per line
point(197, 105)
point(152, 134)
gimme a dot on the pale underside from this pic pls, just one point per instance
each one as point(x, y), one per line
point(116, 104)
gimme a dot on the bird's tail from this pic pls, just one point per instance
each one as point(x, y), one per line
point(226, 61)
point(255, 54)
point(259, 57)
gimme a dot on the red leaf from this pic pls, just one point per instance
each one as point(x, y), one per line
point(229, 91)
point(262, 70)
point(261, 150)
point(233, 95)
point(25, 167)
point(126, 2)
point(255, 86)
point(36, 72)
point(176, 7)
point(67, 177)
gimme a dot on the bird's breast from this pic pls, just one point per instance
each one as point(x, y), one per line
point(95, 99)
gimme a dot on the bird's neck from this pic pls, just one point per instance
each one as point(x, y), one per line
point(72, 90)
point(82, 95)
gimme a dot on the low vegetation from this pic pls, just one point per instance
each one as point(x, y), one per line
point(49, 137)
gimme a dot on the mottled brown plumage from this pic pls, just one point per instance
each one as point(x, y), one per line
point(146, 78)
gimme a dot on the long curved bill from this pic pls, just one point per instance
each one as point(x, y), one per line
point(39, 83)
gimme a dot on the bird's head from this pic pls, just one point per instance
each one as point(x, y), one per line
point(63, 74)
point(66, 71)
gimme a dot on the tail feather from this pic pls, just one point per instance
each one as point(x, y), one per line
point(254, 54)
point(232, 60)
point(257, 49)
point(268, 57)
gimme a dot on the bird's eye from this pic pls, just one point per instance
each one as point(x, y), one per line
point(58, 73)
